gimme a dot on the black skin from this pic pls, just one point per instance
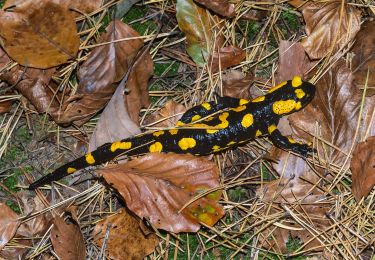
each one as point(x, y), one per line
point(226, 117)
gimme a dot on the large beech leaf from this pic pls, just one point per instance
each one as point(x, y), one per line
point(237, 84)
point(306, 201)
point(125, 239)
point(157, 186)
point(364, 57)
point(326, 29)
point(195, 22)
point(226, 57)
point(67, 240)
point(363, 168)
point(8, 224)
point(167, 116)
point(99, 75)
point(39, 33)
point(222, 7)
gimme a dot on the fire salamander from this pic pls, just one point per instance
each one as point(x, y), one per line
point(209, 128)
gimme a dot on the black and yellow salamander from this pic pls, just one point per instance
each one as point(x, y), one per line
point(209, 128)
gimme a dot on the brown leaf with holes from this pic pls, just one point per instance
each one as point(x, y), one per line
point(156, 187)
point(8, 224)
point(237, 84)
point(326, 30)
point(363, 168)
point(364, 58)
point(221, 7)
point(40, 34)
point(167, 116)
point(67, 240)
point(293, 61)
point(226, 57)
point(100, 74)
point(125, 239)
point(305, 201)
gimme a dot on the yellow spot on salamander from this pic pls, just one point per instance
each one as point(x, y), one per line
point(180, 123)
point(195, 118)
point(243, 101)
point(298, 105)
point(186, 143)
point(284, 106)
point(296, 81)
point(277, 87)
point(239, 108)
point(206, 106)
point(231, 143)
point(258, 133)
point(211, 131)
point(271, 128)
point(173, 131)
point(70, 170)
point(299, 93)
point(161, 132)
point(89, 158)
point(291, 140)
point(224, 122)
point(120, 145)
point(216, 148)
point(258, 99)
point(156, 147)
point(247, 120)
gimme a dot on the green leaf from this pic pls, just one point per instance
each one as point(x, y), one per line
point(195, 23)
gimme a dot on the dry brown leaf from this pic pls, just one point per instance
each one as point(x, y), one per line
point(39, 33)
point(226, 57)
point(304, 200)
point(67, 240)
point(5, 106)
point(222, 7)
point(167, 116)
point(125, 240)
point(364, 57)
point(237, 84)
point(292, 61)
point(363, 168)
point(157, 186)
point(325, 29)
point(100, 74)
point(8, 224)
point(83, 6)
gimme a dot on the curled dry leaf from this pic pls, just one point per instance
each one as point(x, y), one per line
point(222, 7)
point(8, 224)
point(40, 34)
point(237, 84)
point(226, 57)
point(167, 116)
point(363, 168)
point(99, 75)
point(67, 240)
point(126, 239)
point(292, 61)
point(157, 186)
point(195, 22)
point(326, 29)
point(305, 201)
point(364, 58)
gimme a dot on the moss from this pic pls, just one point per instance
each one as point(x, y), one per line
point(135, 13)
point(290, 19)
point(13, 206)
point(237, 194)
point(166, 68)
point(293, 244)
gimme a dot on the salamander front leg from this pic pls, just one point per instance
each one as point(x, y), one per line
point(288, 143)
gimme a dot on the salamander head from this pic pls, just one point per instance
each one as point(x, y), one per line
point(291, 96)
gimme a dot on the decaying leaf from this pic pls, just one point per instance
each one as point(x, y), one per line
point(326, 28)
point(195, 22)
point(8, 224)
point(363, 168)
point(40, 34)
point(125, 239)
point(157, 186)
point(293, 61)
point(364, 58)
point(167, 116)
point(222, 7)
point(83, 6)
point(237, 84)
point(99, 75)
point(306, 202)
point(226, 57)
point(5, 106)
point(67, 240)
